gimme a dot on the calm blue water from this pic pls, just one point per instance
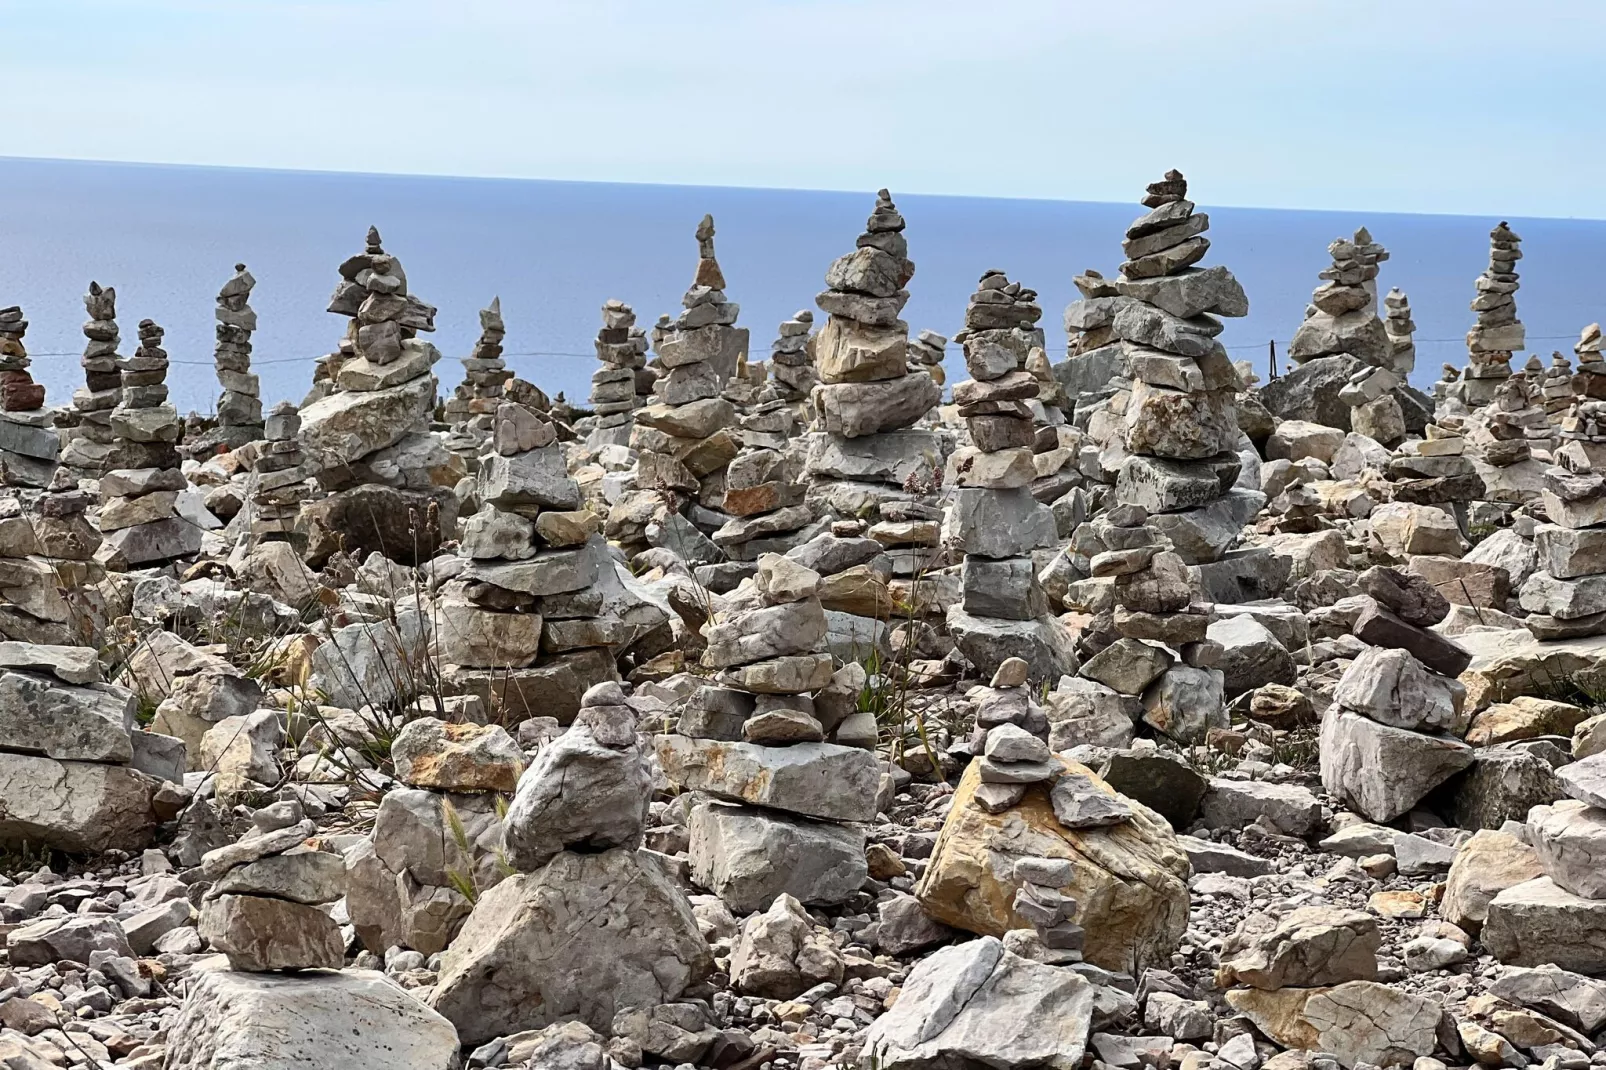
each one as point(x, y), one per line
point(167, 238)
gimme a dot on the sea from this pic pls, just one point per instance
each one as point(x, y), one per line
point(167, 237)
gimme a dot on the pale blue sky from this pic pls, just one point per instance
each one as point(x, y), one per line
point(1468, 106)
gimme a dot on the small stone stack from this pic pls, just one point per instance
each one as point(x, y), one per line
point(1006, 314)
point(268, 906)
point(1449, 376)
point(926, 352)
point(1566, 597)
point(764, 499)
point(1498, 333)
point(1342, 316)
point(994, 520)
point(616, 387)
point(282, 476)
point(1590, 379)
point(29, 444)
point(47, 567)
point(239, 409)
point(1053, 937)
point(139, 498)
point(87, 447)
point(1393, 732)
point(1556, 385)
point(791, 365)
point(472, 407)
point(1400, 327)
point(684, 440)
point(867, 399)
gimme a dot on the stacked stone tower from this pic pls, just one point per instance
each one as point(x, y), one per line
point(29, 444)
point(792, 368)
point(615, 390)
point(87, 445)
point(282, 476)
point(1498, 333)
point(472, 407)
point(1400, 327)
point(1342, 316)
point(239, 409)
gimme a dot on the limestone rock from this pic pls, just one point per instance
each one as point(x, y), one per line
point(748, 857)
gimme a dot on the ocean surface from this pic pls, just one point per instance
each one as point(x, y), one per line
point(168, 237)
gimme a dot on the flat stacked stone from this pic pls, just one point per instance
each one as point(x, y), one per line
point(1393, 732)
point(1566, 596)
point(139, 498)
point(1342, 316)
point(616, 387)
point(1556, 384)
point(1449, 375)
point(1095, 364)
point(48, 570)
point(994, 520)
point(866, 450)
point(239, 408)
point(472, 407)
point(1498, 333)
point(1399, 325)
point(1590, 379)
point(926, 352)
point(29, 443)
point(282, 476)
point(1179, 423)
point(684, 440)
point(792, 365)
point(87, 445)
point(757, 737)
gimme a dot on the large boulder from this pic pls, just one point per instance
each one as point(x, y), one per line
point(820, 780)
point(346, 1020)
point(1539, 922)
point(1484, 866)
point(1310, 391)
point(41, 715)
point(585, 937)
point(1315, 945)
point(1130, 881)
point(1381, 771)
point(748, 857)
point(346, 426)
point(779, 955)
point(79, 807)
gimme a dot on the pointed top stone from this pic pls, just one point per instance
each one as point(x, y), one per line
point(885, 217)
point(705, 229)
point(374, 241)
point(1173, 187)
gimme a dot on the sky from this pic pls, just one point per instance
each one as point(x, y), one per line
point(1479, 107)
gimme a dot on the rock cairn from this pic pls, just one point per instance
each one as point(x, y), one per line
point(867, 399)
point(1053, 938)
point(1498, 333)
point(791, 365)
point(1556, 385)
point(47, 567)
point(617, 387)
point(139, 514)
point(283, 475)
point(926, 352)
point(684, 440)
point(1006, 313)
point(1342, 316)
point(756, 737)
point(764, 499)
point(1393, 732)
point(239, 408)
point(1566, 596)
point(87, 445)
point(994, 519)
point(29, 444)
point(1400, 327)
point(267, 906)
point(472, 407)
point(1590, 379)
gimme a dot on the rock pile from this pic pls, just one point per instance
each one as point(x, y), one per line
point(48, 571)
point(88, 439)
point(239, 409)
point(1498, 333)
point(1400, 327)
point(29, 444)
point(617, 387)
point(791, 365)
point(1393, 732)
point(867, 399)
point(139, 514)
point(472, 407)
point(994, 520)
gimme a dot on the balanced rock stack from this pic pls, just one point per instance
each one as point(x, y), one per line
point(927, 350)
point(1498, 333)
point(139, 499)
point(1053, 938)
point(1005, 313)
point(1393, 732)
point(1342, 316)
point(282, 475)
point(1566, 596)
point(684, 440)
point(48, 571)
point(1400, 327)
point(867, 398)
point(994, 519)
point(588, 925)
point(764, 499)
point(1556, 386)
point(87, 446)
point(791, 365)
point(757, 736)
point(239, 409)
point(268, 906)
point(1010, 739)
point(1180, 422)
point(472, 407)
point(29, 445)
point(616, 387)
point(1590, 379)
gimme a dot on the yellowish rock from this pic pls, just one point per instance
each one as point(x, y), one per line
point(1484, 866)
point(1280, 1014)
point(1398, 904)
point(1524, 717)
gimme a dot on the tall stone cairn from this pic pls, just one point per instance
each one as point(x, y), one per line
point(867, 399)
point(1498, 333)
point(282, 476)
point(1556, 385)
point(471, 409)
point(88, 446)
point(139, 499)
point(239, 409)
point(994, 520)
point(1589, 381)
point(792, 366)
point(1342, 316)
point(1400, 327)
point(1179, 423)
point(1563, 597)
point(616, 391)
point(29, 444)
